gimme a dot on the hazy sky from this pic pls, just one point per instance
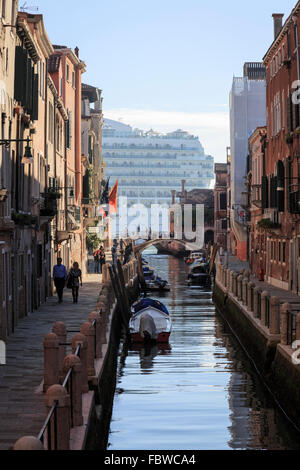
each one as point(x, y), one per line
point(166, 64)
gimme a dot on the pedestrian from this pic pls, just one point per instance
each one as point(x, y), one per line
point(75, 276)
point(96, 261)
point(102, 258)
point(60, 276)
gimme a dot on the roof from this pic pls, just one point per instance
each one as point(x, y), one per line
point(283, 31)
point(54, 63)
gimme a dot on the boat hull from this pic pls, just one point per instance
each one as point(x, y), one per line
point(136, 338)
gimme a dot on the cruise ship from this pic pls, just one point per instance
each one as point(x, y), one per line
point(149, 165)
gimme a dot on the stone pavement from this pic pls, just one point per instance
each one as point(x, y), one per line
point(22, 408)
point(285, 296)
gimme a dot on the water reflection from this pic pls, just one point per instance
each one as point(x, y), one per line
point(202, 393)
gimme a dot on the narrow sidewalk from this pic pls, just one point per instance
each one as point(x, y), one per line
point(285, 296)
point(22, 401)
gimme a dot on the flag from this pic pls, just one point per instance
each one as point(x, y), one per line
point(104, 196)
point(113, 198)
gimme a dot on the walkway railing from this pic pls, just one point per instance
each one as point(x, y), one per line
point(50, 426)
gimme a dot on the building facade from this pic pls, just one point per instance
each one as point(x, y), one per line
point(220, 205)
point(247, 112)
point(93, 164)
point(280, 187)
point(257, 171)
point(66, 68)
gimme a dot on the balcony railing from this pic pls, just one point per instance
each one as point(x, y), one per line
point(256, 195)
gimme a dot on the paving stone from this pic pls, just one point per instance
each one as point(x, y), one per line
point(23, 373)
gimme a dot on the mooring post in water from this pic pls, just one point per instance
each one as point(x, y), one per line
point(123, 288)
point(95, 317)
point(140, 271)
point(116, 288)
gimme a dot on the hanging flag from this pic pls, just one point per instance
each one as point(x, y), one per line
point(113, 198)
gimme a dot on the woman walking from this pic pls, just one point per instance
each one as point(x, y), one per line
point(74, 277)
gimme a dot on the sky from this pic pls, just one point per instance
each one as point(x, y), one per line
point(165, 64)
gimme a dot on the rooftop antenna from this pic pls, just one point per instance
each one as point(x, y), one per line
point(26, 7)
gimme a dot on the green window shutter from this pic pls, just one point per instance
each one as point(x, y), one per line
point(20, 74)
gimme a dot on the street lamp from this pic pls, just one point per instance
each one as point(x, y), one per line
point(27, 158)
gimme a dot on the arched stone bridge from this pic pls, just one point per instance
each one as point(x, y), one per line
point(143, 246)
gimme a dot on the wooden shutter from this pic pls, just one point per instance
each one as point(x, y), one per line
point(35, 98)
point(265, 192)
point(273, 192)
point(289, 114)
point(20, 74)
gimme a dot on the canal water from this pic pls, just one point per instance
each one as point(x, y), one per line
point(201, 392)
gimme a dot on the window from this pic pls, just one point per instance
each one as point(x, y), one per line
point(61, 87)
point(43, 82)
point(284, 252)
point(3, 9)
point(51, 123)
point(73, 79)
point(223, 201)
point(279, 252)
point(13, 12)
point(68, 72)
point(283, 110)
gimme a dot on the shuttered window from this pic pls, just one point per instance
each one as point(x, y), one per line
point(69, 130)
point(289, 113)
point(35, 98)
point(20, 74)
point(273, 192)
point(265, 192)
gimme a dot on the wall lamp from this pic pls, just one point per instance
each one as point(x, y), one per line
point(27, 157)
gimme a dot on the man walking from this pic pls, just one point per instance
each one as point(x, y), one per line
point(60, 276)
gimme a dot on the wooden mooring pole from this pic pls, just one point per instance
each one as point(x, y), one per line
point(118, 293)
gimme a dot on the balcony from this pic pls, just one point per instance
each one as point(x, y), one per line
point(74, 218)
point(256, 195)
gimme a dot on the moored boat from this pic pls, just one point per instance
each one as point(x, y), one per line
point(150, 322)
point(199, 275)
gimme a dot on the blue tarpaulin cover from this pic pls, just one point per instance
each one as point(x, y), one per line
point(144, 303)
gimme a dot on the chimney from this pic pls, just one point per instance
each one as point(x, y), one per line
point(173, 197)
point(277, 17)
point(76, 51)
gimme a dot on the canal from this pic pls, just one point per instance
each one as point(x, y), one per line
point(202, 392)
